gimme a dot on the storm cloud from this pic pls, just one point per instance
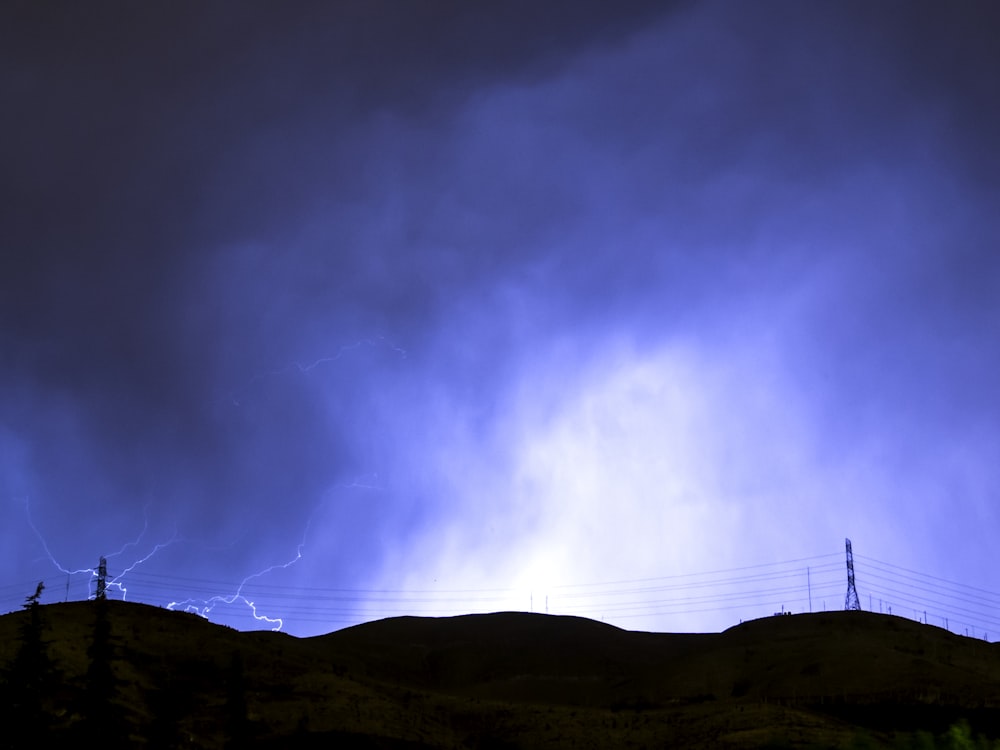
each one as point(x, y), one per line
point(450, 298)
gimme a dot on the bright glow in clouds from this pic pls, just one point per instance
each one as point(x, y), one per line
point(635, 466)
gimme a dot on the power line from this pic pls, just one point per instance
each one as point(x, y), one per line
point(752, 589)
point(935, 578)
point(694, 575)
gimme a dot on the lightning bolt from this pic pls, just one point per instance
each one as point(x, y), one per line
point(45, 545)
point(204, 607)
point(364, 482)
point(116, 582)
point(303, 369)
point(200, 607)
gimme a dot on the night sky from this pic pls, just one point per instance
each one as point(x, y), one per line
point(627, 310)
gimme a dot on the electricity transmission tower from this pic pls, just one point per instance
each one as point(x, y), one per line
point(102, 580)
point(851, 600)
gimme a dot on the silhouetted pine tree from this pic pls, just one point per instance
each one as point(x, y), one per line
point(103, 723)
point(28, 683)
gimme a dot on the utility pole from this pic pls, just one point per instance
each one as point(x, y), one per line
point(809, 586)
point(851, 600)
point(102, 580)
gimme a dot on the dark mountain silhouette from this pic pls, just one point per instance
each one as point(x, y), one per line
point(837, 679)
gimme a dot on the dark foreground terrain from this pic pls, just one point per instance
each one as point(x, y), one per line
point(131, 675)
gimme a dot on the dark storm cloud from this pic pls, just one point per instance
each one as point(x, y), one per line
point(159, 165)
point(377, 264)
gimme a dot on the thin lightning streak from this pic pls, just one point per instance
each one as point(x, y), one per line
point(204, 607)
point(201, 606)
point(364, 482)
point(117, 580)
point(190, 605)
point(138, 539)
point(306, 368)
point(45, 546)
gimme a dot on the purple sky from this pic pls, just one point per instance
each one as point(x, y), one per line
point(459, 306)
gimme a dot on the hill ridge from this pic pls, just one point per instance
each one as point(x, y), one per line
point(469, 680)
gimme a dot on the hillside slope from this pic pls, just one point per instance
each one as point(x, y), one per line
point(500, 680)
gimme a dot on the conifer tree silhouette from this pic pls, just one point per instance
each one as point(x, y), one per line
point(28, 683)
point(103, 723)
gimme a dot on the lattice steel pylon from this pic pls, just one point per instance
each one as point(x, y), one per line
point(102, 580)
point(851, 600)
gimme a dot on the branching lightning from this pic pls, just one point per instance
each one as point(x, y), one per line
point(303, 369)
point(203, 607)
point(197, 606)
point(117, 581)
point(365, 482)
point(45, 546)
point(126, 554)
